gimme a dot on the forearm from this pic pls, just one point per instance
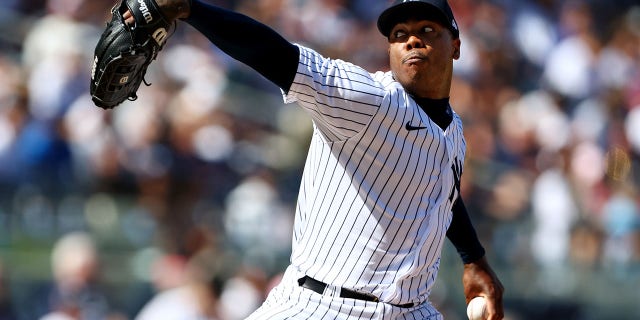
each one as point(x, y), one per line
point(247, 41)
point(463, 235)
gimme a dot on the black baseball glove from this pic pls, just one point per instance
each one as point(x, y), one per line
point(124, 51)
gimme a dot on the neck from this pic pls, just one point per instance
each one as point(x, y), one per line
point(429, 102)
point(433, 91)
point(437, 109)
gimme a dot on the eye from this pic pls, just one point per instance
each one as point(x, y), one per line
point(427, 29)
point(399, 34)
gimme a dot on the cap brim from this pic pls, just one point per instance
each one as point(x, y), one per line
point(404, 11)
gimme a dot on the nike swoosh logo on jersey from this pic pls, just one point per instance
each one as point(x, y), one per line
point(409, 127)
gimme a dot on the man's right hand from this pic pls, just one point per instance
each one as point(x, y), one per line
point(170, 9)
point(479, 280)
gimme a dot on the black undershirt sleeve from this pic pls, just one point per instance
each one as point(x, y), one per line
point(247, 41)
point(462, 234)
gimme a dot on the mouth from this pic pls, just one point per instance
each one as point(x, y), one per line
point(413, 57)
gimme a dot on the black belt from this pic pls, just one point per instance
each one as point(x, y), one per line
point(319, 287)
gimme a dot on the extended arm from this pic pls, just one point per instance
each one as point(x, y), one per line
point(247, 41)
point(478, 278)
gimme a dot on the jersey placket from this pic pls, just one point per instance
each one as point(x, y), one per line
point(452, 161)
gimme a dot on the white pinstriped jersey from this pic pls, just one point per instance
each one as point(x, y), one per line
point(375, 199)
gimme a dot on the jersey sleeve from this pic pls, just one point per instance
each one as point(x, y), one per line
point(340, 97)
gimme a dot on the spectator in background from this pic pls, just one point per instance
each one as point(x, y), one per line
point(188, 285)
point(181, 294)
point(74, 292)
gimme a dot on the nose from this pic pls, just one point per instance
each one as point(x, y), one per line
point(414, 42)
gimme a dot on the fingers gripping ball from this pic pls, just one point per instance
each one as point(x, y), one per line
point(124, 52)
point(477, 309)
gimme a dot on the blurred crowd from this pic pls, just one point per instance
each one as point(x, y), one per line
point(181, 203)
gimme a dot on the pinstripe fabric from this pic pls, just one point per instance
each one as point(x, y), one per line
point(289, 301)
point(375, 199)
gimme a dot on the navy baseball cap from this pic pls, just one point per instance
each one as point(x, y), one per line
point(436, 10)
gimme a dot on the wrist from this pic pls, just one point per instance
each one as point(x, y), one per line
point(471, 254)
point(175, 9)
point(475, 262)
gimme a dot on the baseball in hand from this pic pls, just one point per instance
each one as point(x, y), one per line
point(477, 309)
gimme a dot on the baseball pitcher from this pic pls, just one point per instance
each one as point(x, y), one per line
point(380, 190)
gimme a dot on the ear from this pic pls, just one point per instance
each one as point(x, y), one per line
point(456, 49)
